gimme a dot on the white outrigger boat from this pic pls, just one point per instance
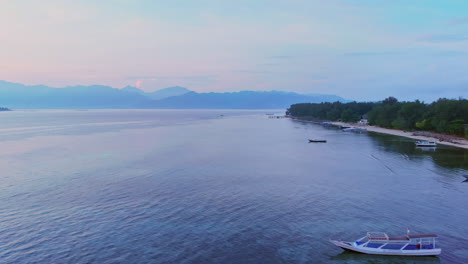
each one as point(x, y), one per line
point(426, 144)
point(379, 243)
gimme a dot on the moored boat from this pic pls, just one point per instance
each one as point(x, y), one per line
point(378, 243)
point(425, 144)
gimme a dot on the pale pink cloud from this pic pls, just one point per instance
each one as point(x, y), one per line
point(138, 83)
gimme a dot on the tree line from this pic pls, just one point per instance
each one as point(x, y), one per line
point(444, 115)
point(4, 109)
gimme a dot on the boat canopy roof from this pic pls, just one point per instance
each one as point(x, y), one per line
point(377, 236)
point(384, 236)
point(421, 236)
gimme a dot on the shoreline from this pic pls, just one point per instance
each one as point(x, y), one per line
point(458, 142)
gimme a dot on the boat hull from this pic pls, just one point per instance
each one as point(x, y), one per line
point(430, 144)
point(391, 252)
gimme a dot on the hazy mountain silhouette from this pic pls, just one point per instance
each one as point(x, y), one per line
point(133, 89)
point(242, 100)
point(15, 95)
point(159, 94)
point(168, 92)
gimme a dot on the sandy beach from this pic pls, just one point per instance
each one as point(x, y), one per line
point(459, 142)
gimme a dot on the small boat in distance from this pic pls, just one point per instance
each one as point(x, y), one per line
point(317, 141)
point(466, 177)
point(425, 144)
point(378, 243)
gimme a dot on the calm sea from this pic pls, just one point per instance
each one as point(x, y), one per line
point(165, 186)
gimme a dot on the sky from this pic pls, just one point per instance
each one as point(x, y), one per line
point(357, 49)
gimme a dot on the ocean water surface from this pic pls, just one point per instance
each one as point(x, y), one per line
point(216, 186)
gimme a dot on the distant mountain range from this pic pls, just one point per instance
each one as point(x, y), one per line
point(241, 100)
point(19, 96)
point(160, 94)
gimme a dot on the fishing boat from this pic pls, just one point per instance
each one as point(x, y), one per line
point(378, 243)
point(425, 144)
point(317, 141)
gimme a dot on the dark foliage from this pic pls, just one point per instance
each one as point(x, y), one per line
point(443, 116)
point(347, 112)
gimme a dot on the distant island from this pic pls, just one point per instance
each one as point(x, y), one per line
point(447, 116)
point(4, 109)
point(22, 96)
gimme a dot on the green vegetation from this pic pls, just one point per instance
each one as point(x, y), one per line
point(349, 112)
point(444, 116)
point(4, 109)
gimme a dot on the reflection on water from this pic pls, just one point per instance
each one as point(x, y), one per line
point(354, 257)
point(129, 186)
point(430, 149)
point(444, 156)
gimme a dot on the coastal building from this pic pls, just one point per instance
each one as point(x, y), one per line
point(363, 122)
